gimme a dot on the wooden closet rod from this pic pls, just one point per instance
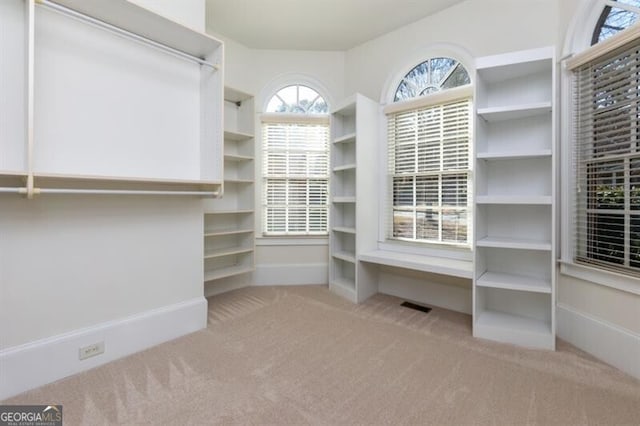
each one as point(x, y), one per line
point(124, 33)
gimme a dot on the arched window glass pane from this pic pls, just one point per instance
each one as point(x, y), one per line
point(432, 76)
point(298, 99)
point(615, 19)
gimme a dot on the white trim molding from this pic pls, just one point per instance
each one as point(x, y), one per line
point(602, 277)
point(44, 361)
point(607, 342)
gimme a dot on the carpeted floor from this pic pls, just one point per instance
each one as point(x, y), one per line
point(300, 355)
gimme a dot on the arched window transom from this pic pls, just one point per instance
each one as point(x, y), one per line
point(616, 16)
point(432, 75)
point(297, 99)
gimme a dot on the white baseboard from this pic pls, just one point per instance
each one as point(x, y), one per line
point(291, 274)
point(605, 341)
point(44, 361)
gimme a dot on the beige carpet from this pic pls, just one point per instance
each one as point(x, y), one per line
point(300, 355)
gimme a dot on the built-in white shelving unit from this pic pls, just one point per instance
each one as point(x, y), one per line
point(354, 195)
point(229, 232)
point(514, 277)
point(77, 125)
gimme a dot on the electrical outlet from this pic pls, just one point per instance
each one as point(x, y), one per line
point(91, 350)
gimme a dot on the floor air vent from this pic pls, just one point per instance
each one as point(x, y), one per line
point(416, 307)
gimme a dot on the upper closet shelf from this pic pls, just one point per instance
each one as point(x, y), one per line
point(138, 20)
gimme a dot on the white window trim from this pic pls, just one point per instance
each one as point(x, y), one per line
point(577, 50)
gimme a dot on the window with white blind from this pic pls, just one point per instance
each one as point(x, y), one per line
point(296, 164)
point(429, 156)
point(607, 160)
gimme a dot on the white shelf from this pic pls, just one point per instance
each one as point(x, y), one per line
point(236, 136)
point(237, 158)
point(235, 95)
point(514, 112)
point(238, 181)
point(514, 282)
point(139, 20)
point(12, 173)
point(514, 301)
point(431, 264)
point(516, 329)
point(227, 252)
point(220, 212)
point(219, 233)
point(344, 200)
point(228, 221)
point(515, 200)
point(498, 68)
point(123, 179)
point(513, 243)
point(347, 256)
point(344, 167)
point(344, 230)
point(227, 272)
point(543, 153)
point(348, 138)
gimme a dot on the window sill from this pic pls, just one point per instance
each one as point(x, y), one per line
point(598, 276)
point(292, 241)
point(449, 252)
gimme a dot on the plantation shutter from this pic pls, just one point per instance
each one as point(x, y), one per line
point(429, 171)
point(296, 178)
point(607, 160)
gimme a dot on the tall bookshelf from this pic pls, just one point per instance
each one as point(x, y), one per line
point(515, 240)
point(229, 225)
point(353, 219)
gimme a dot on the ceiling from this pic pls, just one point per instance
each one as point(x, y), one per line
point(314, 24)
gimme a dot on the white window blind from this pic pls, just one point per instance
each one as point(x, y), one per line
point(295, 178)
point(429, 173)
point(607, 160)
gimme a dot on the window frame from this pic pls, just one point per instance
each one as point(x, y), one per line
point(445, 249)
point(578, 44)
point(304, 238)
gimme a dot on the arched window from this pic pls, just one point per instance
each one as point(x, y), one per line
point(429, 155)
point(432, 76)
point(297, 99)
point(616, 16)
point(295, 167)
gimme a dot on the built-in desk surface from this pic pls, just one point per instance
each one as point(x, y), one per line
point(433, 264)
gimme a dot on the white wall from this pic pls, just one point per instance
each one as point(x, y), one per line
point(190, 13)
point(481, 27)
point(75, 268)
point(72, 262)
